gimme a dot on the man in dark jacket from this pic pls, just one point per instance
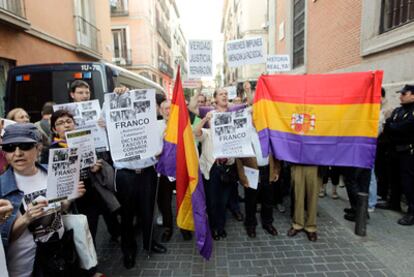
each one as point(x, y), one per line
point(400, 130)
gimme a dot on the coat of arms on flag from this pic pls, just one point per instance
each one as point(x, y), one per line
point(303, 121)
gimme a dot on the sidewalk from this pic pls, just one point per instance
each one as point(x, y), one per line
point(391, 243)
point(386, 251)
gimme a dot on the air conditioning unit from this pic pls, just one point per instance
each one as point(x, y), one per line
point(119, 61)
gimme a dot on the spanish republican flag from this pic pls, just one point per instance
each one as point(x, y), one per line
point(326, 119)
point(179, 159)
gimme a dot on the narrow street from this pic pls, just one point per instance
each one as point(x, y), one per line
point(386, 251)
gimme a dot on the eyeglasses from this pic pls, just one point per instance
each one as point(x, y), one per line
point(62, 122)
point(10, 148)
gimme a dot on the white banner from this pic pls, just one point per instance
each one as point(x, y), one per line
point(231, 134)
point(245, 51)
point(83, 140)
point(131, 122)
point(63, 173)
point(192, 84)
point(86, 116)
point(232, 92)
point(277, 63)
point(200, 58)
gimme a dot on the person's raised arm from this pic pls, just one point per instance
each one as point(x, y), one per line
point(198, 128)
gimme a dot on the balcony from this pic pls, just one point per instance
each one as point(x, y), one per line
point(88, 37)
point(12, 12)
point(163, 31)
point(124, 57)
point(165, 68)
point(119, 10)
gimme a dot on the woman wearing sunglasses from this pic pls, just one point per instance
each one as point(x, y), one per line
point(34, 223)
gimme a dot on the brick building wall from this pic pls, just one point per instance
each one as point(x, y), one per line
point(333, 35)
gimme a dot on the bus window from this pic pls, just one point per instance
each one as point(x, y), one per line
point(31, 92)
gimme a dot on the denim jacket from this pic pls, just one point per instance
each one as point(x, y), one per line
point(9, 191)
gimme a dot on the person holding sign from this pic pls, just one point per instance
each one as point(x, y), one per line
point(91, 204)
point(268, 172)
point(220, 173)
point(136, 178)
point(80, 92)
point(33, 234)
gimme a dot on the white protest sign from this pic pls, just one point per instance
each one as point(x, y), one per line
point(252, 176)
point(277, 63)
point(83, 140)
point(245, 51)
point(86, 116)
point(6, 122)
point(200, 58)
point(231, 133)
point(192, 84)
point(231, 92)
point(63, 173)
point(131, 122)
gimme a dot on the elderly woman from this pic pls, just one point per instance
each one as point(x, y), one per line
point(19, 115)
point(34, 225)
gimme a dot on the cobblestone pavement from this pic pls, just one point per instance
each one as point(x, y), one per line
point(338, 252)
point(391, 243)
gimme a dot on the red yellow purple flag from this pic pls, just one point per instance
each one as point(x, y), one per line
point(320, 119)
point(179, 159)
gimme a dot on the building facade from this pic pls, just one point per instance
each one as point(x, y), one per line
point(243, 19)
point(145, 35)
point(179, 43)
point(346, 36)
point(55, 31)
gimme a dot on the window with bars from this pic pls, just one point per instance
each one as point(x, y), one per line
point(395, 13)
point(298, 33)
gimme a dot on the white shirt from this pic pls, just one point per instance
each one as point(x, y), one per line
point(21, 252)
point(21, 255)
point(207, 147)
point(258, 149)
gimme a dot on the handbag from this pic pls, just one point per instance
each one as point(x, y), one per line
point(82, 238)
point(56, 257)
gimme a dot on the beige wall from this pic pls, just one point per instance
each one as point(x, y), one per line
point(53, 17)
point(51, 36)
point(103, 22)
point(26, 49)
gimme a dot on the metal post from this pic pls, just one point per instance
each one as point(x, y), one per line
point(155, 210)
point(361, 214)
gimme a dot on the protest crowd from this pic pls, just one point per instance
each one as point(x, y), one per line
point(56, 182)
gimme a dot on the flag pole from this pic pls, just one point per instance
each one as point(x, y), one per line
point(155, 210)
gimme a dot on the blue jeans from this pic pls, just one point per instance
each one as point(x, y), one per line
point(372, 199)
